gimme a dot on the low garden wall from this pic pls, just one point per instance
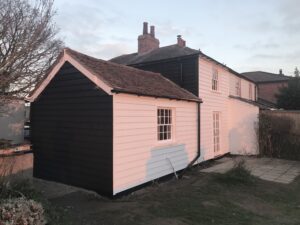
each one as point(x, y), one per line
point(17, 165)
point(279, 134)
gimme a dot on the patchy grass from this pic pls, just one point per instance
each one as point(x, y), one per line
point(232, 198)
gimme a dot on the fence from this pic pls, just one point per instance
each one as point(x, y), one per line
point(294, 116)
point(279, 134)
point(16, 165)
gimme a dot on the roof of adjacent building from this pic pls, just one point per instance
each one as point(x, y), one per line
point(166, 53)
point(265, 77)
point(125, 79)
point(259, 104)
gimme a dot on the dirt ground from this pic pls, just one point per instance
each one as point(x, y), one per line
point(198, 198)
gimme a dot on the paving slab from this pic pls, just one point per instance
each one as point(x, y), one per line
point(276, 170)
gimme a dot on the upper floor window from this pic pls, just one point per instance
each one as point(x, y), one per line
point(215, 80)
point(238, 87)
point(164, 124)
point(250, 91)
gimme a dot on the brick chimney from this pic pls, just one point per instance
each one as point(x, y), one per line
point(180, 41)
point(147, 42)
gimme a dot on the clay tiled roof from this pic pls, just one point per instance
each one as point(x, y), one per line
point(125, 79)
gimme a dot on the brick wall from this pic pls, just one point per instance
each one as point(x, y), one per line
point(268, 91)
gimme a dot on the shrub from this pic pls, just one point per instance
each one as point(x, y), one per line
point(237, 175)
point(21, 211)
point(276, 137)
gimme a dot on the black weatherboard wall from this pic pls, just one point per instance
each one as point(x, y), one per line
point(182, 70)
point(72, 132)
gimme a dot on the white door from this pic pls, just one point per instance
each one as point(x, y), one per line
point(216, 132)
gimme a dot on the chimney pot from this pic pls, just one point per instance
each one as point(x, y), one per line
point(280, 72)
point(145, 28)
point(180, 41)
point(147, 42)
point(152, 31)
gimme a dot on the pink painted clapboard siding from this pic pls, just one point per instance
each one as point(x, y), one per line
point(137, 155)
point(244, 87)
point(213, 101)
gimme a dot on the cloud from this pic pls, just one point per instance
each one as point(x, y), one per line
point(168, 29)
point(289, 10)
point(85, 23)
point(258, 45)
point(105, 51)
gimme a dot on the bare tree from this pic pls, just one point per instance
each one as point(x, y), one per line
point(28, 45)
point(297, 72)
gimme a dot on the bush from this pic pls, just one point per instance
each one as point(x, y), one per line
point(237, 175)
point(276, 137)
point(21, 211)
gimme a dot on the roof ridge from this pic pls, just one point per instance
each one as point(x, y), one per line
point(114, 64)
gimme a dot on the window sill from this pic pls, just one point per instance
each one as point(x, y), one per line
point(216, 92)
point(167, 143)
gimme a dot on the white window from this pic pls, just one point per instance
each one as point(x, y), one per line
point(250, 91)
point(238, 87)
point(216, 131)
point(164, 124)
point(215, 80)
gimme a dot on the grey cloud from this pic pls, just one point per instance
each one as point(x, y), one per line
point(108, 51)
point(257, 45)
point(167, 29)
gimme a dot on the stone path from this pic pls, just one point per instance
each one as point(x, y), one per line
point(276, 170)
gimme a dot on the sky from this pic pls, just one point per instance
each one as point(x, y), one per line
point(246, 35)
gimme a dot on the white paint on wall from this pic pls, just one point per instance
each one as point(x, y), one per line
point(138, 156)
point(213, 102)
point(230, 118)
point(12, 117)
point(244, 87)
point(242, 125)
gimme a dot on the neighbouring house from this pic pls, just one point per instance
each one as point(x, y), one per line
point(268, 85)
point(108, 127)
point(12, 118)
point(229, 111)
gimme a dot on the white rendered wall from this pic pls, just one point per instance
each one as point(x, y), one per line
point(242, 127)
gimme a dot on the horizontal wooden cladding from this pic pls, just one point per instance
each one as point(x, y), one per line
point(183, 72)
point(138, 155)
point(72, 132)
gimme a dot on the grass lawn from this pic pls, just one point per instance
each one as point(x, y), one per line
point(232, 198)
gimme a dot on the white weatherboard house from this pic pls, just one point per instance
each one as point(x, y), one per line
point(229, 111)
point(110, 127)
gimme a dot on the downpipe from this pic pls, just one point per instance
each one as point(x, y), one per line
point(198, 143)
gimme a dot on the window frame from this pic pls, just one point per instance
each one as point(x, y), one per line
point(238, 87)
point(215, 80)
point(250, 91)
point(165, 120)
point(216, 131)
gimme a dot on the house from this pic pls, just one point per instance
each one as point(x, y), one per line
point(229, 110)
point(268, 85)
point(12, 118)
point(108, 127)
